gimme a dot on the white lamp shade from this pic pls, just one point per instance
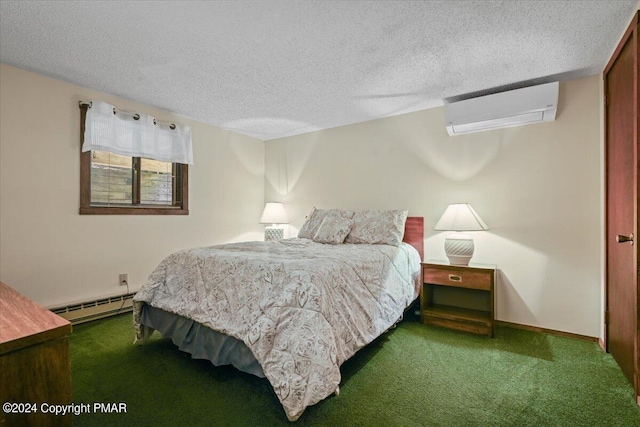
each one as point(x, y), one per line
point(460, 217)
point(274, 213)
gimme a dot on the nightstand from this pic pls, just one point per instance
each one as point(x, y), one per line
point(458, 297)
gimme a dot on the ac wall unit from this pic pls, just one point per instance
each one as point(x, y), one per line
point(518, 107)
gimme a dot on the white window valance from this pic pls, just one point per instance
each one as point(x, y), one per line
point(135, 135)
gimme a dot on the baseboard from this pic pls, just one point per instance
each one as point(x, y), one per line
point(602, 345)
point(545, 330)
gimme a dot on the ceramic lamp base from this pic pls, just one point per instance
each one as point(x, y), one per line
point(273, 233)
point(459, 248)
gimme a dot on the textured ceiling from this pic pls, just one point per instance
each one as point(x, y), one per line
point(276, 68)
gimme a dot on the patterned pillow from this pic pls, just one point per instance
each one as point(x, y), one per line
point(333, 230)
point(378, 227)
point(312, 224)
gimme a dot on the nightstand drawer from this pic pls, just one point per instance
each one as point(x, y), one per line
point(459, 277)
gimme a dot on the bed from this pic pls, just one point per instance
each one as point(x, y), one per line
point(291, 310)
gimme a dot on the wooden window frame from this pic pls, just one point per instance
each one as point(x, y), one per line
point(85, 188)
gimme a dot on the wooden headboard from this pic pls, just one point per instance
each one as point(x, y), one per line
point(414, 233)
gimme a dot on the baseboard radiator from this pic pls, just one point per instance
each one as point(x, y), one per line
point(98, 309)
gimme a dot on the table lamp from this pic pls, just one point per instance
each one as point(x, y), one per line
point(273, 214)
point(459, 246)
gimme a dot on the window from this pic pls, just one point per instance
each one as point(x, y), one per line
point(114, 184)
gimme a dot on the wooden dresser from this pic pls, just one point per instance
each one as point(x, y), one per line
point(35, 367)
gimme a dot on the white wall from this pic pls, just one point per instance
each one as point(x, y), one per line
point(52, 254)
point(537, 187)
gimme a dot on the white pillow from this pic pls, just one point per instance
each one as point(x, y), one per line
point(312, 224)
point(333, 230)
point(378, 227)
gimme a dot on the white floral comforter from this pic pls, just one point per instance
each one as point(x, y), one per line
point(302, 307)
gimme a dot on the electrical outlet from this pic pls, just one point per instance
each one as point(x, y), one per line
point(124, 279)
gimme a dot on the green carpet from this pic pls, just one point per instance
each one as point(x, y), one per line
point(413, 376)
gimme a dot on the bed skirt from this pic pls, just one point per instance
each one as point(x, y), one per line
point(200, 341)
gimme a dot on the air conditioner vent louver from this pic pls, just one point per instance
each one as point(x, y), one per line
point(518, 107)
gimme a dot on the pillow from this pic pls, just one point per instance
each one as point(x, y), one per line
point(312, 224)
point(378, 227)
point(333, 230)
